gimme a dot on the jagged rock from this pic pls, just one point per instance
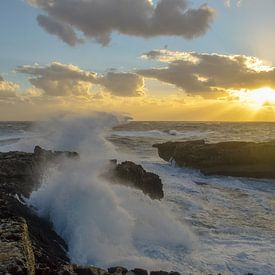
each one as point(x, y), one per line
point(241, 159)
point(118, 270)
point(50, 155)
point(16, 254)
point(159, 273)
point(139, 271)
point(28, 245)
point(134, 175)
point(82, 270)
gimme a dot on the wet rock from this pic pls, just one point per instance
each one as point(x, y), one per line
point(139, 271)
point(241, 159)
point(28, 244)
point(134, 175)
point(159, 273)
point(16, 254)
point(51, 155)
point(82, 270)
point(118, 270)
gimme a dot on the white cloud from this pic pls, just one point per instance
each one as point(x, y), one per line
point(123, 84)
point(57, 79)
point(228, 3)
point(7, 89)
point(208, 74)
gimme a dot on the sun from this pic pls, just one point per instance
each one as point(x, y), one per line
point(258, 98)
point(262, 96)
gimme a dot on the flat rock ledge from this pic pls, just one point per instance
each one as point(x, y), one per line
point(239, 159)
point(28, 244)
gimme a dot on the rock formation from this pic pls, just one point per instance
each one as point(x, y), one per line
point(240, 159)
point(134, 175)
point(28, 244)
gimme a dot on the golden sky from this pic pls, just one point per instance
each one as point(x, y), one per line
point(152, 60)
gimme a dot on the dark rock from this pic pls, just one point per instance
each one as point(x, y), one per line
point(240, 159)
point(159, 273)
point(139, 271)
point(29, 245)
point(117, 270)
point(51, 155)
point(16, 255)
point(82, 270)
point(134, 175)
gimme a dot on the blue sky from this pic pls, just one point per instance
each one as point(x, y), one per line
point(24, 42)
point(245, 30)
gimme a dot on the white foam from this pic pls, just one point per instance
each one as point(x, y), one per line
point(104, 224)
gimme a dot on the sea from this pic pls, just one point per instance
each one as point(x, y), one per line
point(204, 224)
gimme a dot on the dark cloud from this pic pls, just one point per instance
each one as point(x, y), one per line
point(58, 28)
point(1, 78)
point(98, 19)
point(59, 79)
point(207, 73)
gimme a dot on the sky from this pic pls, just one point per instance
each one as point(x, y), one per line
point(150, 59)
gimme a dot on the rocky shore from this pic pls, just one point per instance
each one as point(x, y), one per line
point(134, 175)
point(240, 159)
point(28, 244)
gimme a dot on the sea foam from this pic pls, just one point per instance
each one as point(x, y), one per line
point(102, 223)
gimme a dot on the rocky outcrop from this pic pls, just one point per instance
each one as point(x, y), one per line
point(134, 175)
point(28, 244)
point(240, 159)
point(16, 254)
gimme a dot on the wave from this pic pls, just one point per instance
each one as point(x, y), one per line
point(157, 134)
point(104, 224)
point(11, 140)
point(8, 141)
point(233, 219)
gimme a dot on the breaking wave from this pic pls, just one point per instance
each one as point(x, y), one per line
point(103, 224)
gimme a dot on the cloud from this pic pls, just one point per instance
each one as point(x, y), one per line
point(57, 79)
point(205, 74)
point(228, 3)
point(7, 89)
point(123, 84)
point(98, 19)
point(58, 28)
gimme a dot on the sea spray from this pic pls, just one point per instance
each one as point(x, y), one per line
point(103, 224)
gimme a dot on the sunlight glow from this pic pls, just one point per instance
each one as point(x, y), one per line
point(258, 98)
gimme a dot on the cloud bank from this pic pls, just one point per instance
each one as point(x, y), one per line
point(7, 89)
point(98, 19)
point(209, 74)
point(57, 79)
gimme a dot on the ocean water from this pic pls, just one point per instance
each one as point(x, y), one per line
point(204, 224)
